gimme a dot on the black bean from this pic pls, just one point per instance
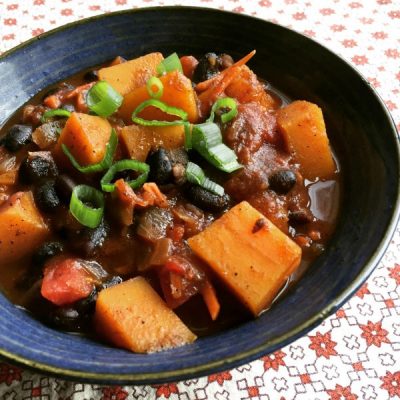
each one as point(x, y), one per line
point(17, 137)
point(282, 181)
point(46, 251)
point(300, 216)
point(36, 167)
point(46, 197)
point(160, 167)
point(87, 305)
point(207, 67)
point(178, 156)
point(66, 318)
point(225, 61)
point(90, 240)
point(206, 200)
point(91, 75)
point(64, 187)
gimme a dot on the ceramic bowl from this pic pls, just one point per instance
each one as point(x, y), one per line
point(361, 131)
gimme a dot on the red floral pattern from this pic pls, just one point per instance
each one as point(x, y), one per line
point(220, 378)
point(274, 360)
point(341, 393)
point(391, 383)
point(166, 390)
point(114, 393)
point(354, 354)
point(374, 334)
point(323, 345)
point(9, 374)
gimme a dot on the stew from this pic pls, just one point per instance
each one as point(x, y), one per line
point(151, 201)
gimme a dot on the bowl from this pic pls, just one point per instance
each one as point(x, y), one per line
point(361, 131)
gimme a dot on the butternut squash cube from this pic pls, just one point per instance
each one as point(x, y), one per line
point(139, 140)
point(303, 128)
point(86, 137)
point(22, 228)
point(133, 316)
point(132, 74)
point(178, 92)
point(249, 253)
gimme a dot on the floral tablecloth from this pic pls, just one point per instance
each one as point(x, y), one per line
point(355, 354)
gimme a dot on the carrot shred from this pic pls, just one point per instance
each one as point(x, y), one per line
point(201, 86)
point(52, 101)
point(149, 195)
point(216, 89)
point(152, 194)
point(211, 300)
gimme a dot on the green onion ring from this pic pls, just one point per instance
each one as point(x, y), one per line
point(170, 63)
point(155, 82)
point(103, 99)
point(58, 112)
point(87, 215)
point(124, 165)
point(226, 102)
point(163, 107)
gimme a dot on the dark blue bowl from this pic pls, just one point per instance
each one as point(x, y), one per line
point(361, 131)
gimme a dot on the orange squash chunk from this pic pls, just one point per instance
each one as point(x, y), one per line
point(133, 316)
point(86, 136)
point(246, 88)
point(139, 140)
point(132, 74)
point(178, 92)
point(303, 128)
point(249, 253)
point(22, 228)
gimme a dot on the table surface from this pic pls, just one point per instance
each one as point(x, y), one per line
point(354, 354)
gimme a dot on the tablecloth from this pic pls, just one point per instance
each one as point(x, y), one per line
point(354, 354)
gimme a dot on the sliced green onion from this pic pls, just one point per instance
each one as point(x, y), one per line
point(103, 99)
point(58, 112)
point(155, 82)
point(213, 187)
point(188, 136)
point(206, 135)
point(105, 163)
point(87, 205)
point(223, 158)
point(123, 165)
point(163, 107)
point(222, 104)
point(171, 63)
point(207, 140)
point(195, 174)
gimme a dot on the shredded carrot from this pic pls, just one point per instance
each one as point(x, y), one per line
point(216, 89)
point(79, 93)
point(52, 101)
point(149, 195)
point(152, 194)
point(211, 300)
point(201, 86)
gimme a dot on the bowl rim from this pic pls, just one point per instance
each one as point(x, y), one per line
point(238, 358)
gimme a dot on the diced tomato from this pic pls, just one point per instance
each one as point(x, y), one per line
point(189, 64)
point(66, 280)
point(176, 233)
point(180, 280)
